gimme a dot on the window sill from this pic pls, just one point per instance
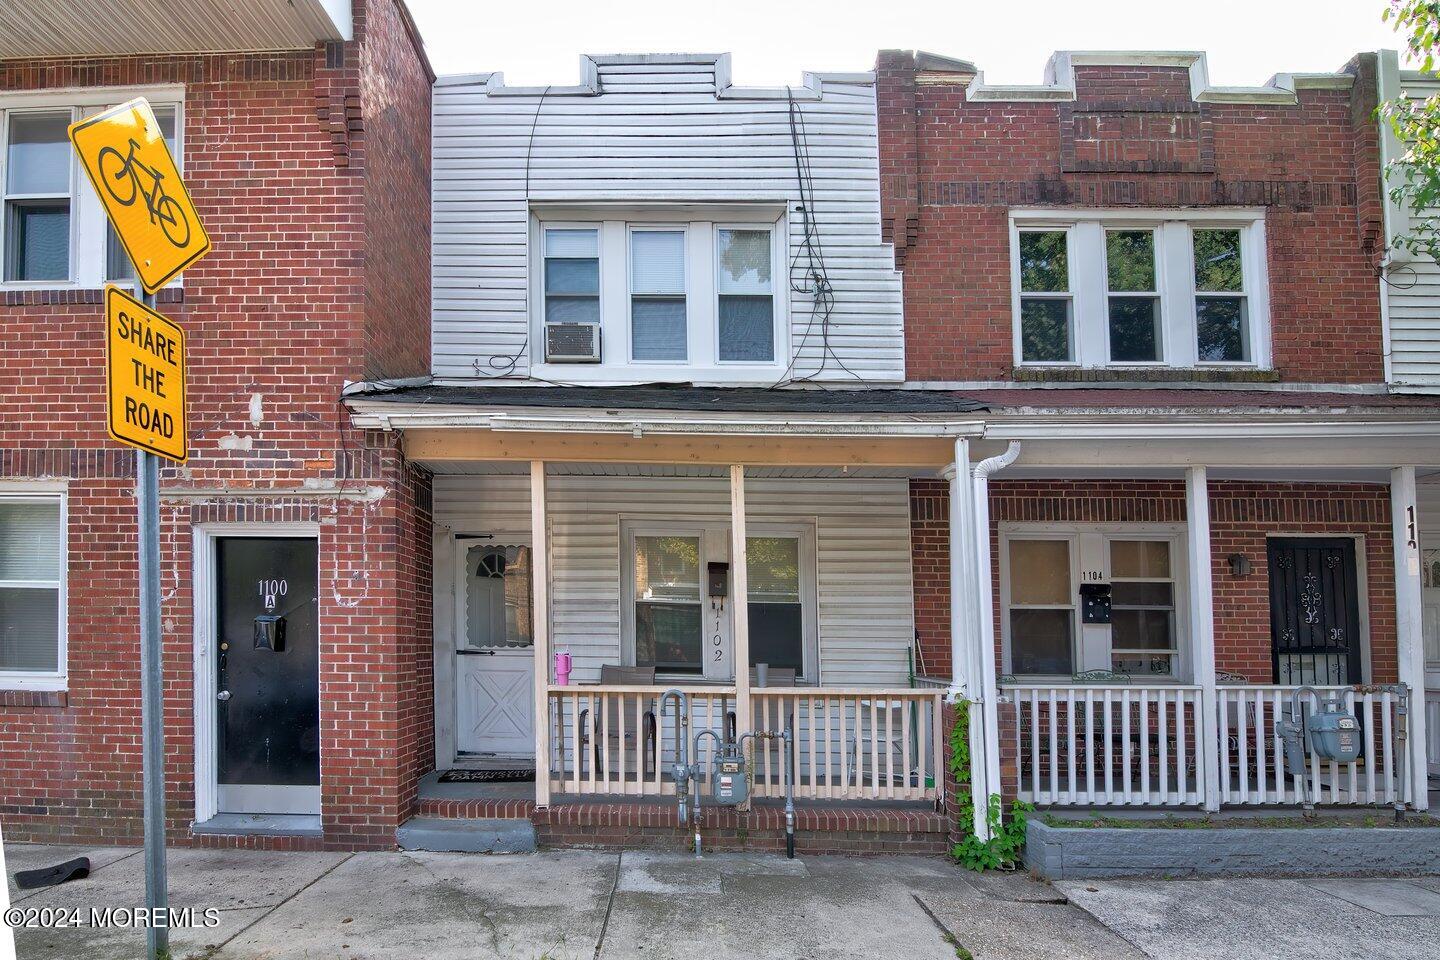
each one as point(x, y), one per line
point(34, 698)
point(1037, 374)
point(49, 296)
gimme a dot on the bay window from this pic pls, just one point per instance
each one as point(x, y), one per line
point(1118, 288)
point(685, 293)
point(53, 230)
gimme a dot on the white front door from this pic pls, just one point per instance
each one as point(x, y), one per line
point(494, 653)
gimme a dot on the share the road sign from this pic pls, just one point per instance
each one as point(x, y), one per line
point(145, 375)
point(125, 156)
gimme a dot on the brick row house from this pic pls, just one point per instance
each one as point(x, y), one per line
point(303, 134)
point(564, 422)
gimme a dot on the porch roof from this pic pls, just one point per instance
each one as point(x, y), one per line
point(679, 398)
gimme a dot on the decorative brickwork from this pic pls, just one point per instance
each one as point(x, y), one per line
point(1132, 137)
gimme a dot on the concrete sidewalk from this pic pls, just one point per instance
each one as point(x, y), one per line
point(585, 906)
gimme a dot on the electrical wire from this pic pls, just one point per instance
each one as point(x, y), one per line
point(506, 363)
point(814, 276)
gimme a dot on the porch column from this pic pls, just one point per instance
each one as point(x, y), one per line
point(1202, 631)
point(965, 658)
point(540, 628)
point(740, 601)
point(1409, 629)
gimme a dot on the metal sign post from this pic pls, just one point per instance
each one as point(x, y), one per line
point(139, 185)
point(152, 702)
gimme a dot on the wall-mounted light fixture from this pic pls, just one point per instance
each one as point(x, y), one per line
point(1239, 565)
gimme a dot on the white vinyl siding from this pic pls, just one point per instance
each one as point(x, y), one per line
point(1411, 290)
point(862, 547)
point(657, 134)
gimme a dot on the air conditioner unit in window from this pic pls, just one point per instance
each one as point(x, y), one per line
point(572, 342)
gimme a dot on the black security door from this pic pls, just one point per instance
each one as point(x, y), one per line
point(268, 661)
point(1314, 611)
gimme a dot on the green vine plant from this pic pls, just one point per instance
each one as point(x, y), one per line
point(1413, 179)
point(1007, 840)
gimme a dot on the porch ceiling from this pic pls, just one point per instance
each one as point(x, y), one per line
point(62, 28)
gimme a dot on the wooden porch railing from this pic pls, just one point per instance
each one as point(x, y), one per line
point(1107, 744)
point(1122, 745)
point(850, 743)
point(1252, 770)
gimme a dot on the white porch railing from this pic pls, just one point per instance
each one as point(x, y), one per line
point(1252, 765)
point(1432, 730)
point(852, 743)
point(1122, 745)
point(1107, 745)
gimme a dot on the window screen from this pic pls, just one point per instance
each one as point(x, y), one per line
point(747, 296)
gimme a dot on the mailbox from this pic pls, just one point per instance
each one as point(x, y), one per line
point(270, 633)
point(1094, 603)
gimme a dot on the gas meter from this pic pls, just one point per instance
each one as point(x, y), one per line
point(728, 783)
point(1334, 734)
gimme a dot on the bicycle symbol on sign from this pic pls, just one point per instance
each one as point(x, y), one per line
point(121, 175)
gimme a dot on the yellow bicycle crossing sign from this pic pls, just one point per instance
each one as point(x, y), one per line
point(125, 156)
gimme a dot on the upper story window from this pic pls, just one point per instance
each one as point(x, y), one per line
point(660, 295)
point(53, 231)
point(32, 591)
point(1134, 289)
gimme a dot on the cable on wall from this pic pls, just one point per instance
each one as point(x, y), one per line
point(505, 364)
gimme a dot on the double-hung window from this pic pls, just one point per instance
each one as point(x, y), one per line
point(677, 297)
point(1126, 288)
point(39, 184)
point(1048, 569)
point(32, 590)
point(658, 330)
point(53, 230)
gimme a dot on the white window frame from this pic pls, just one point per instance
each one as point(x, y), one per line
point(1174, 277)
point(1016, 294)
point(632, 228)
point(87, 217)
point(700, 223)
point(1090, 563)
point(57, 680)
point(776, 337)
point(715, 546)
point(1163, 335)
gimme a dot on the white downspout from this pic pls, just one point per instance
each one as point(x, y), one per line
point(985, 688)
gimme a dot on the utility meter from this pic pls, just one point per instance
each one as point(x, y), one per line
point(728, 782)
point(1334, 734)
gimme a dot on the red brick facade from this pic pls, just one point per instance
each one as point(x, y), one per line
point(951, 169)
point(310, 170)
point(1242, 515)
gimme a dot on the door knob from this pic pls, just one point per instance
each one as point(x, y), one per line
point(223, 695)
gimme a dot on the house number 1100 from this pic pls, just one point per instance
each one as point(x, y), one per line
point(270, 590)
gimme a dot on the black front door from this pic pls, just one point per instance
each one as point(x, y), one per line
point(268, 714)
point(1314, 611)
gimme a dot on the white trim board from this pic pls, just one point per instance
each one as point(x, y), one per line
point(204, 535)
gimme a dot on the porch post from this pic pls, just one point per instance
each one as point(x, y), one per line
point(965, 613)
point(1409, 625)
point(740, 601)
point(540, 627)
point(1202, 631)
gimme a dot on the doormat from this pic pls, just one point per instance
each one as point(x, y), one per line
point(520, 775)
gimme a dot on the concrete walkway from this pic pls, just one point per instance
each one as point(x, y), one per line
point(587, 906)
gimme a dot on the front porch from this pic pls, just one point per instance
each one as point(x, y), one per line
point(864, 581)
